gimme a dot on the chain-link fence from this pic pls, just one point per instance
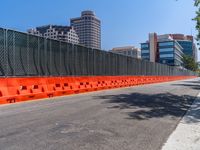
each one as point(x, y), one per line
point(22, 54)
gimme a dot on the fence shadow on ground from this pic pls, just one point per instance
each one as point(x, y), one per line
point(142, 106)
point(193, 115)
point(146, 106)
point(192, 84)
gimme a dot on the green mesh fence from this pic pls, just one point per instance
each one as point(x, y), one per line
point(23, 54)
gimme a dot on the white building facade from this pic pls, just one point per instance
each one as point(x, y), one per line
point(62, 33)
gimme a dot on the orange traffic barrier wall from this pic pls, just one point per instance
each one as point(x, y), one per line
point(23, 89)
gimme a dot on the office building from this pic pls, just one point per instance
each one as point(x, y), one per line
point(128, 51)
point(88, 28)
point(62, 33)
point(168, 48)
point(187, 42)
point(162, 49)
point(170, 53)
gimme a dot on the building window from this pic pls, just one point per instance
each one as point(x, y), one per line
point(146, 45)
point(166, 55)
point(166, 49)
point(145, 51)
point(145, 54)
point(144, 57)
point(166, 44)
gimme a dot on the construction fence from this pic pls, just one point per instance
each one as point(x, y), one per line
point(24, 55)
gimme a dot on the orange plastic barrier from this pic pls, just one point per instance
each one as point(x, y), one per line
point(14, 90)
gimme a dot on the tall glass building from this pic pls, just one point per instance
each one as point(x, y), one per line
point(170, 53)
point(187, 47)
point(187, 43)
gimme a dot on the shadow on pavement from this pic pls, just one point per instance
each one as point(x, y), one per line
point(193, 115)
point(193, 84)
point(196, 87)
point(143, 106)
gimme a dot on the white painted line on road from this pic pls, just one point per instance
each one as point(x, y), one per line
point(187, 134)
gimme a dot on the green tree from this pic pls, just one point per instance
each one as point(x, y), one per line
point(198, 70)
point(189, 63)
point(197, 18)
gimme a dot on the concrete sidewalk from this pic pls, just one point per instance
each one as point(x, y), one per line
point(187, 134)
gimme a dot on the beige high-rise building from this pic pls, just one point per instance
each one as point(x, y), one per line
point(88, 28)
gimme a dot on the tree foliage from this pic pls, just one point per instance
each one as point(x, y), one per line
point(198, 70)
point(189, 63)
point(197, 2)
point(197, 18)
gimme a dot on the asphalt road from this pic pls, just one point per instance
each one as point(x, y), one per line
point(136, 118)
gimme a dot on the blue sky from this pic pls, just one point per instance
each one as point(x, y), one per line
point(124, 22)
